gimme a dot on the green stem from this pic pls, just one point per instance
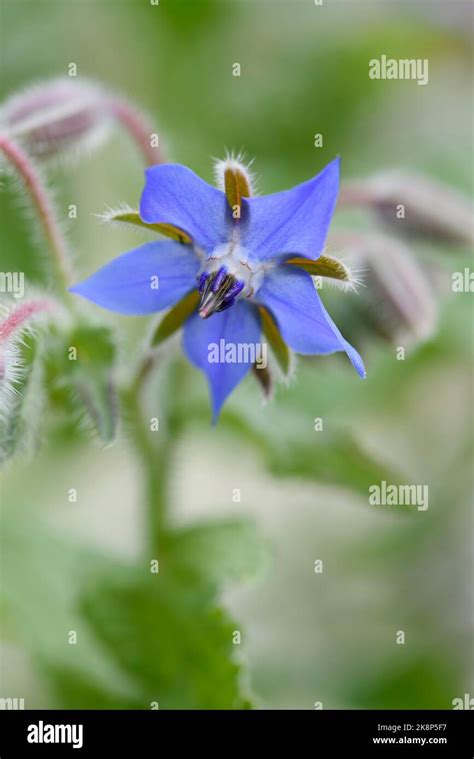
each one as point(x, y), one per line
point(154, 458)
point(155, 449)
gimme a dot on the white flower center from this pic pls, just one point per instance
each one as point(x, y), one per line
point(234, 257)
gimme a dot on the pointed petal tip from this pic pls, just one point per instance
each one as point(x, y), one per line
point(293, 221)
point(78, 289)
point(356, 361)
point(239, 325)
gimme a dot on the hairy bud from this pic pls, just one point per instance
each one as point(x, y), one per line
point(397, 298)
point(14, 323)
point(59, 117)
point(414, 207)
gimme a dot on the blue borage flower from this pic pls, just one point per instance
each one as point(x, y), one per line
point(237, 263)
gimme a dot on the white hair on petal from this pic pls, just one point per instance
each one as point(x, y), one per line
point(237, 162)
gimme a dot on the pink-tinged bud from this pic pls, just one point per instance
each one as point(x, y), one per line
point(414, 207)
point(58, 117)
point(20, 317)
point(397, 297)
point(13, 326)
point(65, 116)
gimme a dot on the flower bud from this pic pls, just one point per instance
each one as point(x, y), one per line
point(397, 299)
point(13, 325)
point(59, 117)
point(414, 207)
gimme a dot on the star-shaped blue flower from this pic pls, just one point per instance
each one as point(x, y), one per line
point(237, 261)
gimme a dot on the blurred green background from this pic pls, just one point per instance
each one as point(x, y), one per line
point(306, 637)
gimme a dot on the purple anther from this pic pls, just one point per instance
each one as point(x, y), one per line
point(203, 277)
point(231, 295)
point(218, 279)
point(236, 288)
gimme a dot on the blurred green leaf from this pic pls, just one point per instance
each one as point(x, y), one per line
point(165, 629)
point(296, 450)
point(169, 638)
point(336, 459)
point(75, 689)
point(42, 578)
point(81, 372)
point(223, 551)
point(141, 637)
point(411, 683)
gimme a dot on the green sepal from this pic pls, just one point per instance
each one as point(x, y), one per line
point(175, 317)
point(133, 217)
point(324, 266)
point(277, 344)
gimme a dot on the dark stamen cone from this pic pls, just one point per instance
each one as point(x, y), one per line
point(219, 293)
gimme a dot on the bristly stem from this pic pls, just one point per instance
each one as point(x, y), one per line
point(138, 127)
point(43, 206)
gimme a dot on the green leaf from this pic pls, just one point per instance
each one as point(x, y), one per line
point(418, 681)
point(336, 459)
point(82, 364)
point(165, 630)
point(169, 638)
point(43, 577)
point(76, 689)
point(141, 637)
point(175, 317)
point(222, 551)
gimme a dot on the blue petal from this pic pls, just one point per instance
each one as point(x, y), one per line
point(144, 280)
point(294, 221)
point(240, 324)
point(175, 195)
point(303, 321)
